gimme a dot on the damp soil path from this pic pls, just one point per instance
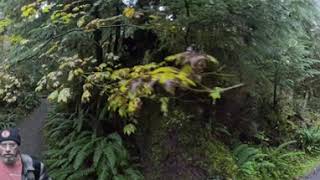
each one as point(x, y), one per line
point(31, 130)
point(314, 175)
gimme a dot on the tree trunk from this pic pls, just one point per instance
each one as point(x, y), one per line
point(118, 33)
point(97, 36)
point(275, 88)
point(305, 102)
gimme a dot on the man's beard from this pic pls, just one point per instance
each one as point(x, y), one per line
point(9, 159)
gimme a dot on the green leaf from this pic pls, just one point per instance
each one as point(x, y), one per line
point(129, 129)
point(111, 156)
point(98, 152)
point(53, 96)
point(174, 57)
point(104, 174)
point(212, 59)
point(83, 155)
point(164, 104)
point(85, 96)
point(115, 138)
point(70, 76)
point(82, 21)
point(216, 93)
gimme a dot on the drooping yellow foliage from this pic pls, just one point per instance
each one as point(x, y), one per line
point(129, 12)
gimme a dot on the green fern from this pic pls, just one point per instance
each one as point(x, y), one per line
point(83, 155)
point(81, 173)
point(103, 174)
point(266, 163)
point(309, 140)
point(98, 153)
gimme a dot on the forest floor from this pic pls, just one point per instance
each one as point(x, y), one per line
point(33, 138)
point(314, 175)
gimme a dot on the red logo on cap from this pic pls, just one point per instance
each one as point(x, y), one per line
point(5, 133)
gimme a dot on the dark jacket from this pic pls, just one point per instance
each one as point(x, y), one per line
point(33, 169)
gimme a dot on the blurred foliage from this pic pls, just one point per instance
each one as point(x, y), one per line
point(248, 69)
point(85, 156)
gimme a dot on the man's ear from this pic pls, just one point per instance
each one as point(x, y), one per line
point(18, 150)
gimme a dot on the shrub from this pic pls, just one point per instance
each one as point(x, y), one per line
point(309, 140)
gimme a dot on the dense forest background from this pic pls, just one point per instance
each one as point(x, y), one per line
point(166, 89)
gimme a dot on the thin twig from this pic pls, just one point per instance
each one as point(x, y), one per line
point(122, 25)
point(218, 74)
point(206, 89)
point(232, 87)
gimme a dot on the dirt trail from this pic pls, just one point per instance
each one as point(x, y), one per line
point(31, 130)
point(314, 175)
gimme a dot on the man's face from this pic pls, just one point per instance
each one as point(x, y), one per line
point(9, 152)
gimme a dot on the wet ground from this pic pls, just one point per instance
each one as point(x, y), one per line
point(314, 175)
point(31, 131)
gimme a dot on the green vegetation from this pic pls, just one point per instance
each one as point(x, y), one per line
point(266, 163)
point(189, 89)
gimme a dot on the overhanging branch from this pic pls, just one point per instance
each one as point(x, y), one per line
point(45, 44)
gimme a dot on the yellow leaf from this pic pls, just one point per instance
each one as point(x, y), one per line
point(164, 70)
point(164, 77)
point(186, 69)
point(185, 80)
point(174, 57)
point(134, 105)
point(28, 10)
point(78, 72)
point(120, 74)
point(129, 12)
point(123, 88)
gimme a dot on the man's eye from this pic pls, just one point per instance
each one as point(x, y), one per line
point(5, 145)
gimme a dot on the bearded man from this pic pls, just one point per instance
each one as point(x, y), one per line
point(13, 164)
